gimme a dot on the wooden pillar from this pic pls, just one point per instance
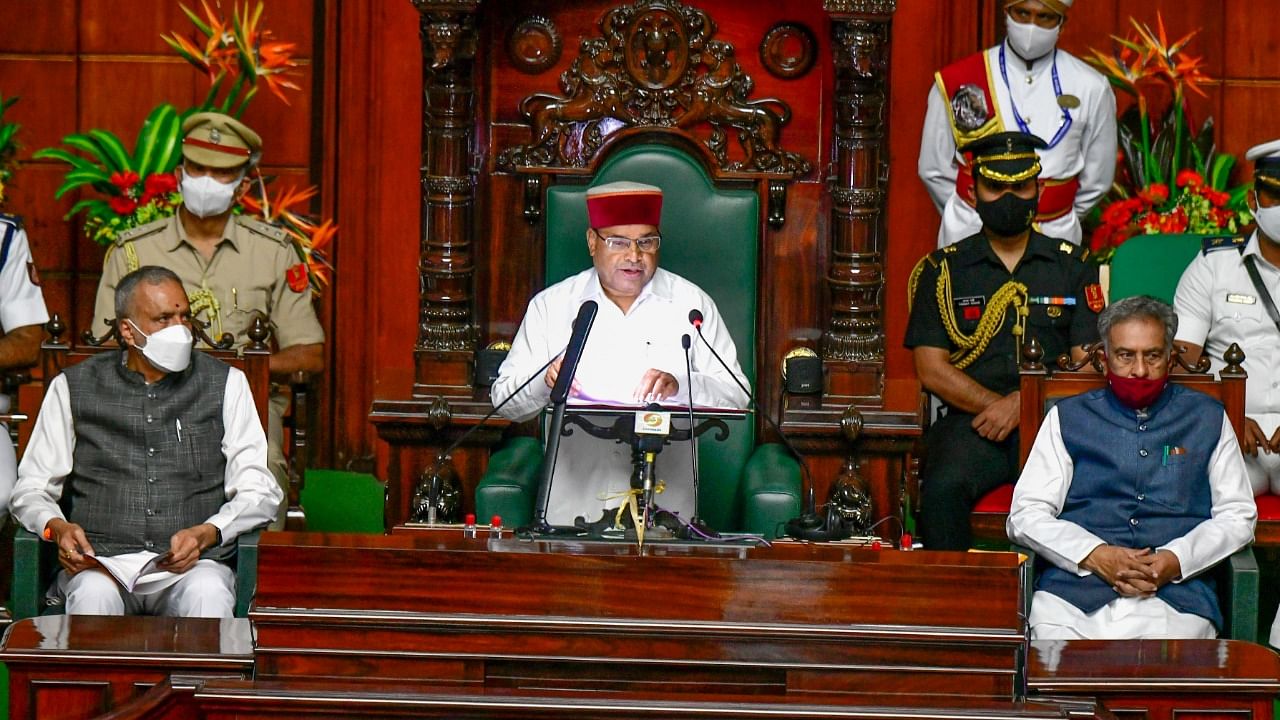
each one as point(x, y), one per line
point(853, 338)
point(446, 305)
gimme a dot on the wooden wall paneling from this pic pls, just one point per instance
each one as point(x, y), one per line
point(118, 91)
point(46, 88)
point(1253, 44)
point(1251, 120)
point(378, 104)
point(285, 129)
point(917, 51)
point(104, 29)
point(46, 26)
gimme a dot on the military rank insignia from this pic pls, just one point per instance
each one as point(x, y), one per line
point(1094, 297)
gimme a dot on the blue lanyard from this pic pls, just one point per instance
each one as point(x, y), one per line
point(1064, 127)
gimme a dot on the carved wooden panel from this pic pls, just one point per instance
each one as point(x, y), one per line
point(656, 64)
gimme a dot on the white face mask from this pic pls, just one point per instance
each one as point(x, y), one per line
point(1030, 41)
point(168, 349)
point(1268, 220)
point(205, 197)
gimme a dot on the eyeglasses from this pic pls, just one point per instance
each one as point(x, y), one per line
point(617, 243)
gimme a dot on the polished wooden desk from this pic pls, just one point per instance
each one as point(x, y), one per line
point(80, 666)
point(434, 607)
point(1161, 679)
point(242, 700)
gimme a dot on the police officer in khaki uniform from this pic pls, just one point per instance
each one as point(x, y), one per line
point(973, 305)
point(232, 266)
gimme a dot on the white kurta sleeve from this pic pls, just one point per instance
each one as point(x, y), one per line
point(1038, 498)
point(1100, 142)
point(46, 462)
point(937, 163)
point(21, 302)
point(1234, 513)
point(528, 352)
point(253, 495)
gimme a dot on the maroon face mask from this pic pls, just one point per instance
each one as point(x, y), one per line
point(1136, 392)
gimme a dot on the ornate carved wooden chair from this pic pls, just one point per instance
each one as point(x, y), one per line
point(34, 561)
point(1040, 390)
point(710, 235)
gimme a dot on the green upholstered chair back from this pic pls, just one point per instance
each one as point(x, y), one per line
point(338, 501)
point(710, 236)
point(1152, 265)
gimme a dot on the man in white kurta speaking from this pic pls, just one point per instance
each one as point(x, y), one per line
point(632, 356)
point(1131, 493)
point(1023, 84)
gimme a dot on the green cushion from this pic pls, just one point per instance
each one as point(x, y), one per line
point(337, 501)
point(511, 483)
point(1152, 265)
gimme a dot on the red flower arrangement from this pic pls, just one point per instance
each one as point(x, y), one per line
point(1196, 208)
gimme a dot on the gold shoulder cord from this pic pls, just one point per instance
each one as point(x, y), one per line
point(914, 281)
point(204, 299)
point(1011, 294)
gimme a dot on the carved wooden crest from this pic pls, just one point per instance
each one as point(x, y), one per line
point(655, 65)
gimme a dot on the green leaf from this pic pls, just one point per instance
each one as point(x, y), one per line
point(75, 161)
point(76, 178)
point(195, 20)
point(1220, 171)
point(94, 206)
point(113, 149)
point(160, 129)
point(86, 145)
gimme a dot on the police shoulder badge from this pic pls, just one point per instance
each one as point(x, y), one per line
point(1094, 297)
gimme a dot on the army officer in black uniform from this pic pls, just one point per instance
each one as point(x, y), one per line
point(973, 305)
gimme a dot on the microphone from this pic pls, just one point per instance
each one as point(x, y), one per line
point(803, 527)
point(573, 353)
point(436, 483)
point(559, 396)
point(652, 427)
point(686, 343)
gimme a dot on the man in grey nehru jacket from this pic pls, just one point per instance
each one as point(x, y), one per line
point(158, 456)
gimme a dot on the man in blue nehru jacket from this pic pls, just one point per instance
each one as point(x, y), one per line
point(1131, 493)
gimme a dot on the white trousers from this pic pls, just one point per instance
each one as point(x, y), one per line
point(1126, 618)
point(1264, 468)
point(206, 590)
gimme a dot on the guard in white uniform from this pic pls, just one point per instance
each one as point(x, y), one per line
point(1219, 303)
point(22, 316)
point(632, 356)
point(1023, 84)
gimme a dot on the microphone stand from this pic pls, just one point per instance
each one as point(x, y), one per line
point(806, 518)
point(437, 482)
point(686, 343)
point(559, 399)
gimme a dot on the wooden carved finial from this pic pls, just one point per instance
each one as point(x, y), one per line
point(1235, 358)
point(1032, 356)
point(56, 328)
point(851, 423)
point(258, 333)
